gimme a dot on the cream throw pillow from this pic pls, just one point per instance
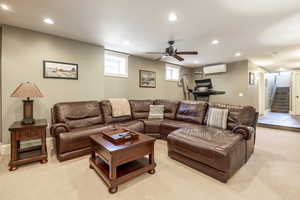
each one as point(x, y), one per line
point(156, 112)
point(217, 118)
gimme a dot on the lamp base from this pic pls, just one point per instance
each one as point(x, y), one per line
point(28, 121)
point(28, 112)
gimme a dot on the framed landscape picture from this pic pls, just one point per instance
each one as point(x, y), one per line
point(147, 79)
point(53, 69)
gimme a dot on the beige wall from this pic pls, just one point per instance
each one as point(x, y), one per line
point(253, 90)
point(129, 87)
point(23, 52)
point(0, 85)
point(233, 82)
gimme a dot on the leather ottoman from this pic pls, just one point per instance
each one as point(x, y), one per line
point(215, 152)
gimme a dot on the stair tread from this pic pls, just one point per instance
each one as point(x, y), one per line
point(281, 101)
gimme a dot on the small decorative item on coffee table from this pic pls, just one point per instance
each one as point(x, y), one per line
point(118, 163)
point(20, 132)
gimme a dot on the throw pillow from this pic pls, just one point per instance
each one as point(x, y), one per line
point(217, 118)
point(156, 112)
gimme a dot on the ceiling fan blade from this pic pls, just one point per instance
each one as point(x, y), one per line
point(178, 57)
point(155, 52)
point(187, 53)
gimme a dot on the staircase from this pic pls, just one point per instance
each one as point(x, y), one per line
point(281, 100)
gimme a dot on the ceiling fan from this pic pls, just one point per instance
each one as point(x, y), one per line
point(172, 51)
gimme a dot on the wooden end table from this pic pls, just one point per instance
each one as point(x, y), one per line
point(116, 164)
point(20, 133)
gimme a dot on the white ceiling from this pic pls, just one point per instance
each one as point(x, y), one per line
point(256, 28)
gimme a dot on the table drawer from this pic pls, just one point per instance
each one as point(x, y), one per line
point(104, 154)
point(133, 153)
point(28, 133)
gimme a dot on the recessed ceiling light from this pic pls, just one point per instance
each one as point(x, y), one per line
point(215, 42)
point(238, 54)
point(126, 42)
point(196, 62)
point(4, 7)
point(173, 17)
point(48, 21)
point(281, 69)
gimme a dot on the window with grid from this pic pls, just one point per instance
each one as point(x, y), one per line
point(116, 64)
point(172, 72)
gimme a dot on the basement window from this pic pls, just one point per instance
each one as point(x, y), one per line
point(115, 64)
point(172, 72)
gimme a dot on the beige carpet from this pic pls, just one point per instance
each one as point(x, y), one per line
point(272, 173)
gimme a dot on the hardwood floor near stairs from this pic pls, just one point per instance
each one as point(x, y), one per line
point(281, 101)
point(282, 121)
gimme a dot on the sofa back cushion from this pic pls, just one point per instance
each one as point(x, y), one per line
point(170, 107)
point(192, 111)
point(237, 115)
point(78, 114)
point(107, 113)
point(140, 108)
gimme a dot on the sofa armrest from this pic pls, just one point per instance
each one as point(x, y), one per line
point(56, 129)
point(246, 131)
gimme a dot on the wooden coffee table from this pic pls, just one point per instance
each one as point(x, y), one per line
point(116, 164)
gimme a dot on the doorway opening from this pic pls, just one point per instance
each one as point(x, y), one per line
point(280, 104)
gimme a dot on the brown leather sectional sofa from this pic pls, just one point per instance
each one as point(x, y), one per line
point(216, 152)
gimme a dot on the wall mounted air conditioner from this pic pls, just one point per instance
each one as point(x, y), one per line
point(214, 69)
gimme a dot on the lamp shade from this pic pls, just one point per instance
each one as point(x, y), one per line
point(26, 90)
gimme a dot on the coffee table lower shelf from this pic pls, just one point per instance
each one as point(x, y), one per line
point(125, 171)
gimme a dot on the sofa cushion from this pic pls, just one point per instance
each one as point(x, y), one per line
point(79, 137)
point(134, 125)
point(168, 125)
point(170, 107)
point(140, 108)
point(152, 125)
point(192, 111)
point(107, 113)
point(78, 114)
point(214, 147)
point(84, 122)
point(237, 115)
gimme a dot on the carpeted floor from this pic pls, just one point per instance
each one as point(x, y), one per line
point(272, 173)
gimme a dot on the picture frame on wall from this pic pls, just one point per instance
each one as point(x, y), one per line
point(251, 78)
point(60, 70)
point(147, 79)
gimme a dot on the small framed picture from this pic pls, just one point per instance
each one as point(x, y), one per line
point(60, 70)
point(251, 78)
point(147, 79)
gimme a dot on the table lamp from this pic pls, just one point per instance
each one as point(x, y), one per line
point(27, 90)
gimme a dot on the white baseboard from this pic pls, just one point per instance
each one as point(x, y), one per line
point(5, 148)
